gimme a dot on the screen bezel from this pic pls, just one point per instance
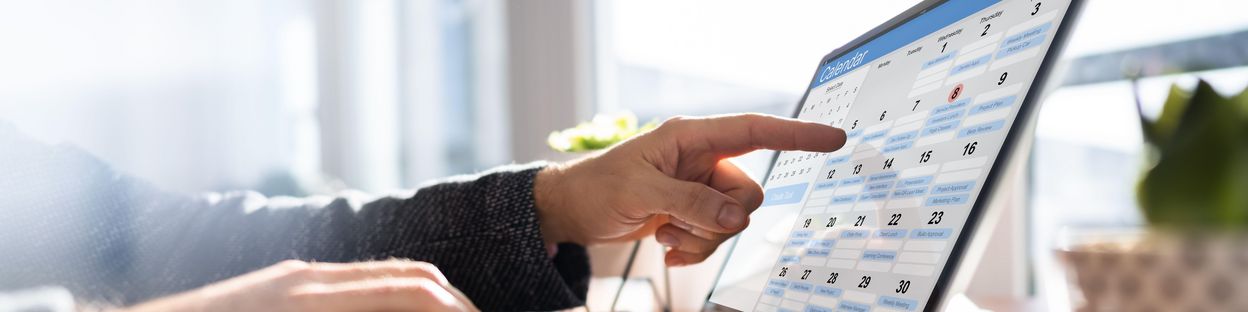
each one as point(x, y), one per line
point(1024, 119)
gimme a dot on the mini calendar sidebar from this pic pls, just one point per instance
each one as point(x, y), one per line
point(830, 105)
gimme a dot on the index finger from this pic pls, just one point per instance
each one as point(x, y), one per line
point(732, 135)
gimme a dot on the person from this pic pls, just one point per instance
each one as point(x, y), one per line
point(511, 238)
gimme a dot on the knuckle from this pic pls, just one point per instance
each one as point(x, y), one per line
point(674, 123)
point(305, 298)
point(694, 197)
point(754, 196)
point(425, 268)
point(295, 268)
point(752, 117)
point(698, 196)
point(675, 120)
point(420, 288)
point(292, 264)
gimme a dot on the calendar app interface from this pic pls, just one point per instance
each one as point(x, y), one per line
point(926, 106)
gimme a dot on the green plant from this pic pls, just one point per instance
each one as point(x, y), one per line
point(601, 132)
point(1197, 177)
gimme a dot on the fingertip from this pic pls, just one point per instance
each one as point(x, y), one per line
point(838, 138)
point(666, 238)
point(673, 259)
point(819, 137)
point(829, 138)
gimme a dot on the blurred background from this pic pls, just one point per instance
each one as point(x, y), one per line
point(297, 97)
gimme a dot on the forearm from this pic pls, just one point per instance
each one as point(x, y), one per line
point(482, 231)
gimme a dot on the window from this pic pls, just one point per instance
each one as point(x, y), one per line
point(1087, 156)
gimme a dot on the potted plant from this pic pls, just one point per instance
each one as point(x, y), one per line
point(1193, 254)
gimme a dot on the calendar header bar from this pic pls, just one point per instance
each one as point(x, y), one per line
point(925, 24)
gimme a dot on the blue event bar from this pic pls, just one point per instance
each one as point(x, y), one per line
point(790, 194)
point(925, 24)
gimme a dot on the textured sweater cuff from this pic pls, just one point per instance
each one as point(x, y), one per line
point(526, 276)
point(571, 262)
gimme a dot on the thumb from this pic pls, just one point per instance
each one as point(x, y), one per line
point(697, 204)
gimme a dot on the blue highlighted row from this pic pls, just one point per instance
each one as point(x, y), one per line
point(937, 129)
point(956, 105)
point(789, 259)
point(851, 181)
point(854, 234)
point(981, 128)
point(883, 176)
point(818, 252)
point(797, 243)
point(879, 255)
point(931, 233)
point(993, 105)
point(823, 243)
point(800, 287)
point(915, 181)
point(825, 185)
point(773, 291)
point(1025, 40)
point(943, 118)
point(891, 234)
point(956, 187)
point(878, 186)
point(897, 303)
point(939, 59)
point(910, 192)
point(968, 65)
point(1027, 35)
point(850, 306)
point(828, 291)
point(897, 147)
point(908, 136)
point(784, 195)
point(947, 200)
point(837, 160)
point(873, 136)
point(843, 199)
point(877, 196)
point(853, 133)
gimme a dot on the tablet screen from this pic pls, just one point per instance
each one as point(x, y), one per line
point(926, 106)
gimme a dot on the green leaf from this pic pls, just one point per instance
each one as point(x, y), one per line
point(602, 132)
point(1200, 178)
point(1158, 132)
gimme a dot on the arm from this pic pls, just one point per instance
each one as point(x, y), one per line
point(481, 231)
point(74, 222)
point(487, 231)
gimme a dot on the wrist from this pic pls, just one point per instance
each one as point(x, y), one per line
point(549, 203)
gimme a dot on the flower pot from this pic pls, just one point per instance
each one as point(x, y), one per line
point(1158, 272)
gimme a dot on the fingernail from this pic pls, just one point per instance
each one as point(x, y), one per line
point(667, 239)
point(674, 261)
point(730, 216)
point(681, 224)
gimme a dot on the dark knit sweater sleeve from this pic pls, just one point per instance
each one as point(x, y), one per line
point(73, 222)
point(481, 231)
